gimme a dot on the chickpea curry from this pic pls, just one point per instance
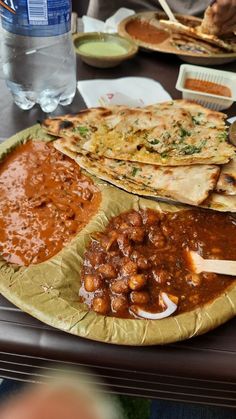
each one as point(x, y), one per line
point(45, 201)
point(141, 256)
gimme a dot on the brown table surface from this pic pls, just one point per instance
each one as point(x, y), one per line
point(200, 370)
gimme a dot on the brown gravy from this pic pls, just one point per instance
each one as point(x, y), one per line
point(45, 201)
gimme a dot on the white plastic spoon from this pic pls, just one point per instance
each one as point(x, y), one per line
point(198, 265)
point(167, 10)
point(171, 307)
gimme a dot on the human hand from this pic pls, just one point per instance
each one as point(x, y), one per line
point(224, 15)
point(44, 402)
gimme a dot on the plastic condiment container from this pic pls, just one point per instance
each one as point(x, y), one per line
point(209, 100)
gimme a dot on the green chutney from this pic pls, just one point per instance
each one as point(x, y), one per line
point(102, 48)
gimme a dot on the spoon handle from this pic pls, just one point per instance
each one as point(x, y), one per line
point(227, 267)
point(167, 10)
point(217, 266)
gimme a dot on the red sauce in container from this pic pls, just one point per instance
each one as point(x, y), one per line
point(207, 87)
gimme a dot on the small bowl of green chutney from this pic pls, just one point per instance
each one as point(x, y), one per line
point(103, 50)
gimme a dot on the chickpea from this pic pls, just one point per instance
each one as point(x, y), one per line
point(129, 268)
point(161, 276)
point(135, 219)
point(119, 303)
point(120, 286)
point(127, 250)
point(107, 271)
point(95, 258)
point(143, 263)
point(135, 255)
point(108, 242)
point(137, 234)
point(136, 282)
point(157, 238)
point(124, 226)
point(150, 217)
point(139, 297)
point(92, 283)
point(101, 305)
point(124, 244)
point(123, 240)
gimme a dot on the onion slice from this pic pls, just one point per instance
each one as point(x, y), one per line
point(171, 307)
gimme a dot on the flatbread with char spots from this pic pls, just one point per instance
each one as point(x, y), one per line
point(190, 185)
point(227, 180)
point(173, 133)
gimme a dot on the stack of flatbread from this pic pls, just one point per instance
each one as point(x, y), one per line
point(176, 150)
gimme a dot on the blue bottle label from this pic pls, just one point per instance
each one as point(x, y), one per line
point(36, 17)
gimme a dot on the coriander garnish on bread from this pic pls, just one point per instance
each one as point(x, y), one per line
point(173, 133)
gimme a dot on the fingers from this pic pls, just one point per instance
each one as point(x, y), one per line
point(43, 403)
point(224, 11)
point(230, 25)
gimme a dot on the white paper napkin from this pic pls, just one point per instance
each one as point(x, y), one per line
point(110, 25)
point(128, 91)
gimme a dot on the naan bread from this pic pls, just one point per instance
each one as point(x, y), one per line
point(189, 185)
point(208, 25)
point(227, 181)
point(220, 202)
point(228, 43)
point(172, 133)
point(97, 168)
point(193, 45)
point(69, 125)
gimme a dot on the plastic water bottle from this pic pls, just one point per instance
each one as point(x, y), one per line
point(38, 56)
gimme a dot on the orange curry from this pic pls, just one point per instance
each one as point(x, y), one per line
point(207, 87)
point(45, 201)
point(146, 32)
point(143, 254)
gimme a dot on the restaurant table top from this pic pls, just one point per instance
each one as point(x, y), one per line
point(199, 370)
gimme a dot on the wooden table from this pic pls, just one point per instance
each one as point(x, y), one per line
point(200, 370)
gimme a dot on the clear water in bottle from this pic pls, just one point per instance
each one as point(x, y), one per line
point(38, 55)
